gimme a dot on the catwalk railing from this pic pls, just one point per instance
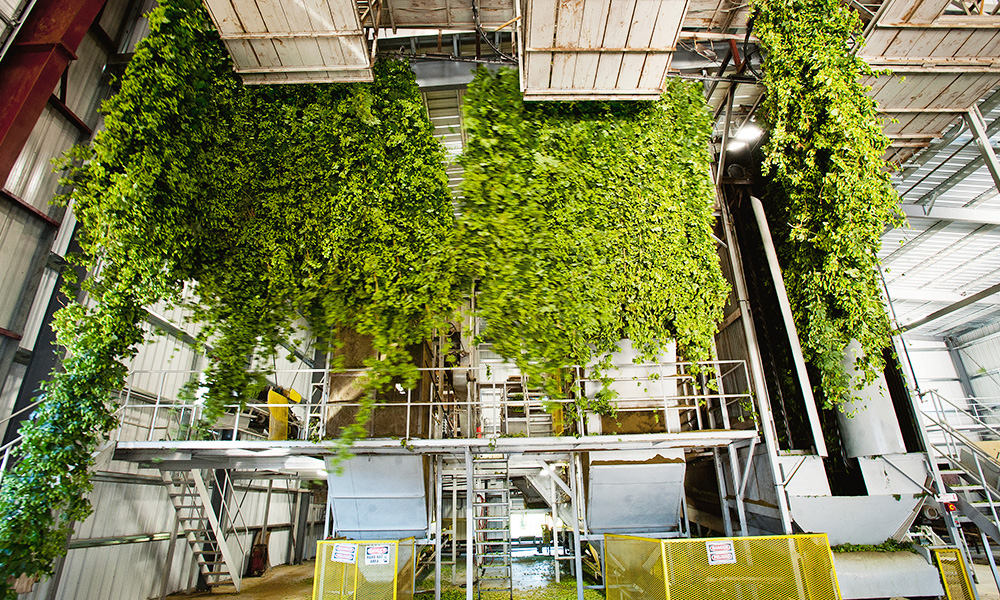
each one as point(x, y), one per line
point(962, 436)
point(675, 397)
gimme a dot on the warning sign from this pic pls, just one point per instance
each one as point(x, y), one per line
point(721, 552)
point(344, 553)
point(377, 555)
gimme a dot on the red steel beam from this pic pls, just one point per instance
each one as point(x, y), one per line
point(30, 71)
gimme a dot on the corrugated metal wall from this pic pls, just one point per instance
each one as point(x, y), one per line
point(9, 10)
point(980, 351)
point(120, 551)
point(106, 562)
point(933, 367)
point(8, 394)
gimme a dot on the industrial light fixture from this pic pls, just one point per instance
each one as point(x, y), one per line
point(749, 133)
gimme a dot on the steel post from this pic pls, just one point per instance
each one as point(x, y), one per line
point(470, 524)
point(793, 336)
point(165, 573)
point(756, 369)
point(554, 503)
point(438, 510)
point(577, 562)
point(33, 65)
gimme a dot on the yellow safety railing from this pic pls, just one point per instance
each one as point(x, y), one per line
point(761, 568)
point(364, 570)
point(953, 574)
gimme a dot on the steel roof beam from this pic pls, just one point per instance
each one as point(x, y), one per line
point(988, 105)
point(975, 216)
point(911, 245)
point(993, 289)
point(973, 166)
point(954, 179)
point(913, 294)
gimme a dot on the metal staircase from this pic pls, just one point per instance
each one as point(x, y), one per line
point(491, 487)
point(218, 562)
point(956, 435)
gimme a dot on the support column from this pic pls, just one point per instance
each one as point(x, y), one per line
point(267, 517)
point(575, 507)
point(438, 515)
point(169, 562)
point(963, 374)
point(756, 369)
point(554, 503)
point(470, 524)
point(302, 525)
point(41, 51)
point(734, 465)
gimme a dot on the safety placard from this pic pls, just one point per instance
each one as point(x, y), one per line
point(377, 555)
point(721, 552)
point(344, 553)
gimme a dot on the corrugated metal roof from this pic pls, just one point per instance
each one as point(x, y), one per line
point(951, 250)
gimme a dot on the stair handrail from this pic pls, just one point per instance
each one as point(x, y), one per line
point(227, 515)
point(978, 477)
point(965, 411)
point(8, 448)
point(968, 445)
point(216, 526)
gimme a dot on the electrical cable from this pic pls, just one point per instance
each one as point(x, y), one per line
point(747, 54)
point(899, 333)
point(482, 33)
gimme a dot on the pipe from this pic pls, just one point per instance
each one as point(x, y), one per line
point(793, 337)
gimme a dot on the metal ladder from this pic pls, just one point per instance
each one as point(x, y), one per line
point(524, 408)
point(192, 501)
point(491, 489)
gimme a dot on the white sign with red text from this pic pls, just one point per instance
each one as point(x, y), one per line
point(344, 553)
point(721, 552)
point(377, 555)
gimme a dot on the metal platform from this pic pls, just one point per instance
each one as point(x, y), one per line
point(293, 455)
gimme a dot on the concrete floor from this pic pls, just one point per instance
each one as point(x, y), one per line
point(532, 576)
point(986, 587)
point(295, 582)
point(287, 582)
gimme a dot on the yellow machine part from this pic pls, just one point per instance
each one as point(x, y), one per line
point(558, 425)
point(763, 568)
point(278, 422)
point(364, 570)
point(953, 574)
